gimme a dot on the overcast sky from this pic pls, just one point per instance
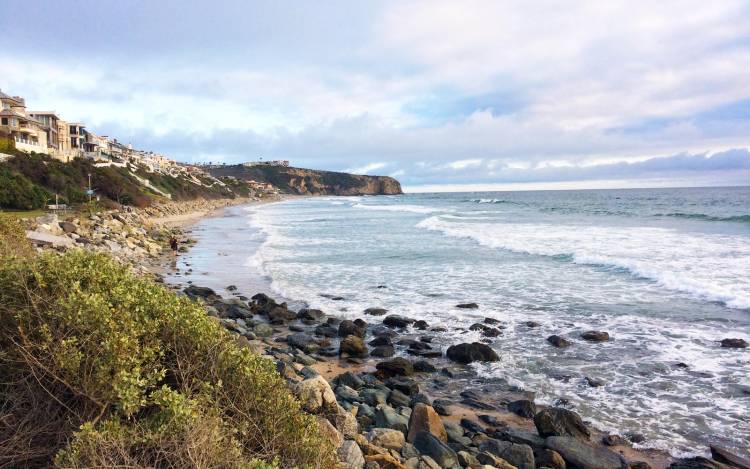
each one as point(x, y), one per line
point(439, 94)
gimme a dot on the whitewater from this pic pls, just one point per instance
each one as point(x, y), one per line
point(665, 271)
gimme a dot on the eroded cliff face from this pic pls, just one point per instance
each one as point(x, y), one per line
point(313, 182)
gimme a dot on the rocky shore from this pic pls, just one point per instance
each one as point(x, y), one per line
point(388, 397)
point(385, 388)
point(137, 237)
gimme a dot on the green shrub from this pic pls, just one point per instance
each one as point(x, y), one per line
point(102, 368)
point(18, 193)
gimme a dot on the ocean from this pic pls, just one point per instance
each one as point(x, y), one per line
point(666, 272)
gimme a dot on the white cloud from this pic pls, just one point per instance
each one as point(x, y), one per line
point(510, 85)
point(367, 169)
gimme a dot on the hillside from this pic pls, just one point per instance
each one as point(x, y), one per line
point(31, 181)
point(311, 182)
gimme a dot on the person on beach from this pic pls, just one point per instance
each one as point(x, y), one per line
point(173, 245)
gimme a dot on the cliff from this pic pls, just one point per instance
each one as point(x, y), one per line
point(310, 181)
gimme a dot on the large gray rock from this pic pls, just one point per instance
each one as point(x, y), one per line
point(521, 456)
point(723, 455)
point(556, 421)
point(303, 342)
point(473, 352)
point(387, 438)
point(345, 422)
point(350, 455)
point(430, 446)
point(582, 455)
point(387, 417)
point(316, 395)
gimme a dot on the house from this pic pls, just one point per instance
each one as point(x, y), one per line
point(77, 133)
point(49, 120)
point(28, 134)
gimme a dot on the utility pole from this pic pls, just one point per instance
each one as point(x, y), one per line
point(89, 191)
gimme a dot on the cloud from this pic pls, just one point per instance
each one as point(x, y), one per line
point(367, 169)
point(433, 91)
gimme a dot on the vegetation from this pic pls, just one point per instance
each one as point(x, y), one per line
point(104, 369)
point(17, 192)
point(30, 181)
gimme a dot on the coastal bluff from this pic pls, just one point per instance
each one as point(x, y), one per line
point(311, 182)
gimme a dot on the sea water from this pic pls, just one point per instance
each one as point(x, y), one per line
point(666, 272)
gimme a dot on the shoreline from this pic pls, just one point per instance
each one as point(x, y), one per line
point(378, 368)
point(332, 367)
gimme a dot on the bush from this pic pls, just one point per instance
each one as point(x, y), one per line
point(18, 193)
point(102, 368)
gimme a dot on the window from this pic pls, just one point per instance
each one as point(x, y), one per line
point(5, 121)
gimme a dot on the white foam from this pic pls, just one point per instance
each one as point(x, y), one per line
point(710, 267)
point(400, 208)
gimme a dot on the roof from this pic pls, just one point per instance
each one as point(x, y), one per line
point(43, 113)
point(17, 99)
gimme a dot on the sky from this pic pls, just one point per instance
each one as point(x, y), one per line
point(442, 95)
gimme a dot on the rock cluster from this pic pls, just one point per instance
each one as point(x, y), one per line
point(383, 418)
point(130, 236)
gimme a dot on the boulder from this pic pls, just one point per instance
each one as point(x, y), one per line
point(556, 421)
point(427, 444)
point(387, 417)
point(194, 291)
point(406, 385)
point(316, 395)
point(423, 366)
point(545, 457)
point(523, 407)
point(350, 455)
point(308, 314)
point(396, 367)
point(68, 227)
point(559, 342)
point(595, 336)
point(424, 418)
point(350, 379)
point(380, 340)
point(582, 455)
point(399, 399)
point(467, 306)
point(280, 315)
point(303, 342)
point(375, 311)
point(442, 406)
point(345, 422)
point(347, 328)
point(521, 456)
point(467, 353)
point(724, 456)
point(329, 432)
point(421, 325)
point(397, 321)
point(733, 343)
point(386, 438)
point(326, 330)
point(383, 351)
point(353, 346)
